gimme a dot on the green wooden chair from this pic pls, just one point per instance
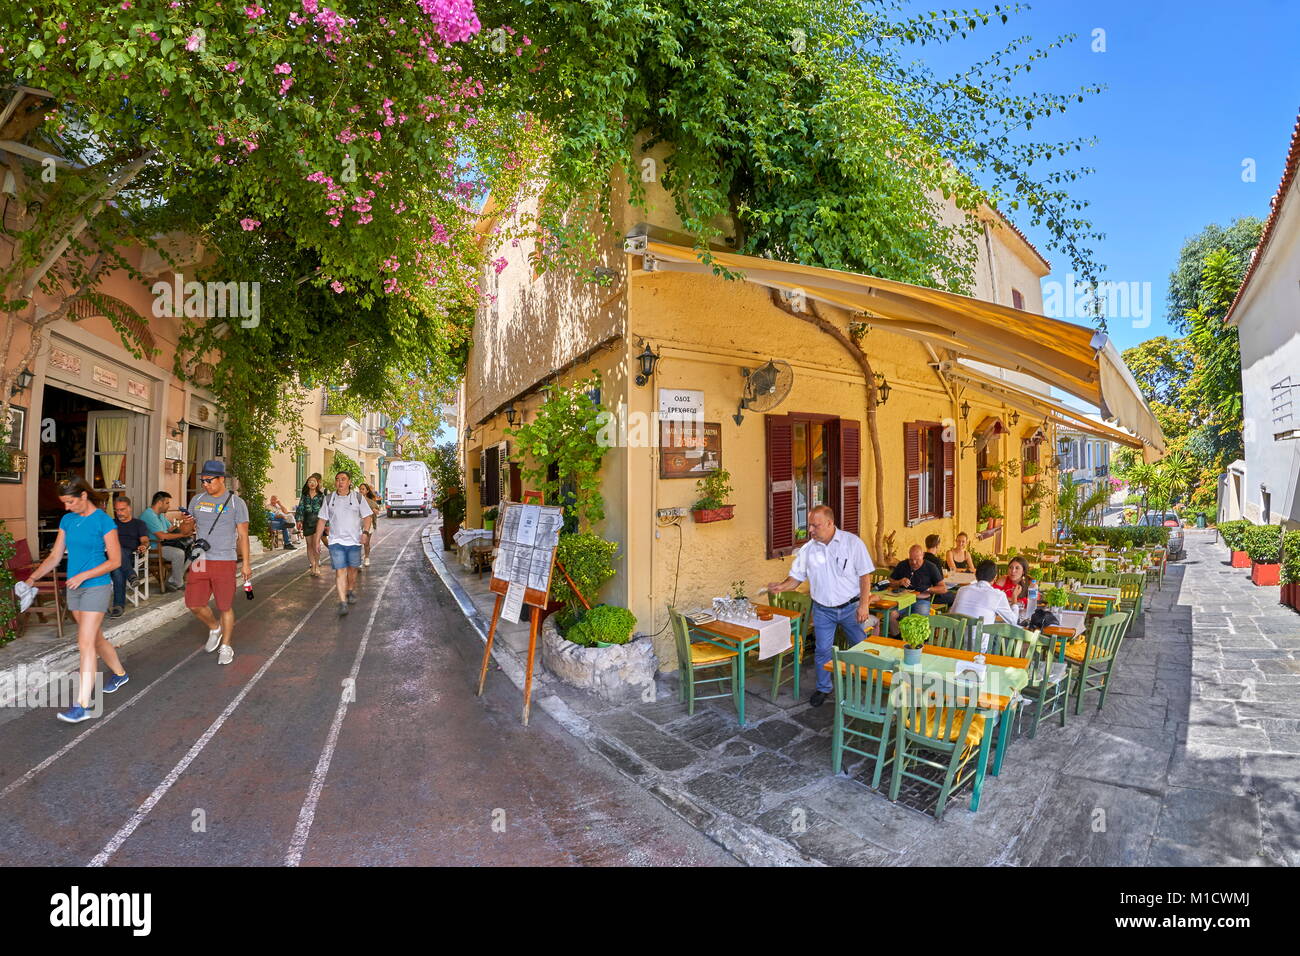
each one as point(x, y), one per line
point(802, 604)
point(948, 631)
point(1008, 640)
point(1101, 579)
point(1093, 659)
point(1067, 576)
point(973, 625)
point(1002, 568)
point(1131, 589)
point(880, 575)
point(695, 657)
point(862, 694)
point(1077, 602)
point(937, 720)
point(1159, 561)
point(1048, 692)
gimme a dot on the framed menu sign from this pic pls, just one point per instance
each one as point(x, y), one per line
point(689, 449)
point(529, 536)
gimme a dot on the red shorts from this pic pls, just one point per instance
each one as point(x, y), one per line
point(211, 579)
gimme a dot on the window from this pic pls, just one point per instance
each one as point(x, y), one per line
point(1017, 300)
point(811, 460)
point(928, 472)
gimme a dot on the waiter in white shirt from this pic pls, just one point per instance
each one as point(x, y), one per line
point(981, 599)
point(838, 569)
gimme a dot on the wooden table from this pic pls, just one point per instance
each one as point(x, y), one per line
point(997, 706)
point(742, 640)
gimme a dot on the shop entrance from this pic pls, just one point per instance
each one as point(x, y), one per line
point(203, 445)
point(89, 438)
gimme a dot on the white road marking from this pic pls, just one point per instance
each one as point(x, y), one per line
point(307, 814)
point(137, 818)
point(66, 748)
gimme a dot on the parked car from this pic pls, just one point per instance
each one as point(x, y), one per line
point(1167, 519)
point(408, 487)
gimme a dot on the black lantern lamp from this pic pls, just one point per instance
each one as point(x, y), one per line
point(882, 389)
point(1013, 417)
point(647, 359)
point(511, 414)
point(965, 410)
point(22, 381)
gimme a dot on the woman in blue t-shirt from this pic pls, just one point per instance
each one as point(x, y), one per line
point(90, 539)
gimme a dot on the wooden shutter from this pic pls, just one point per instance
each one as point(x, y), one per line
point(780, 487)
point(849, 506)
point(913, 476)
point(491, 478)
point(949, 476)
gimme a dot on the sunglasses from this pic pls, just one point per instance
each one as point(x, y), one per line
point(206, 480)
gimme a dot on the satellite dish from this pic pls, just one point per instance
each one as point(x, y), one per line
point(765, 387)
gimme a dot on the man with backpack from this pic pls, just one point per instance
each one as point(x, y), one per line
point(347, 514)
point(221, 535)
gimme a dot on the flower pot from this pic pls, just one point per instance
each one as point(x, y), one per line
point(449, 528)
point(488, 524)
point(988, 474)
point(911, 655)
point(1240, 559)
point(1265, 575)
point(1288, 595)
point(705, 515)
point(982, 525)
point(1029, 479)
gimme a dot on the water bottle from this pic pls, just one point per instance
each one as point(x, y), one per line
point(1032, 603)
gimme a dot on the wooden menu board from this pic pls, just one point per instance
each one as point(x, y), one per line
point(526, 555)
point(689, 449)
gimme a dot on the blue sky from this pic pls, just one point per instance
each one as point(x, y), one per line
point(1193, 89)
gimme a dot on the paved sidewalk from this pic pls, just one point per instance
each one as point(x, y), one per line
point(1194, 761)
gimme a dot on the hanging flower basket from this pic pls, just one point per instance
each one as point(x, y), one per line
point(705, 515)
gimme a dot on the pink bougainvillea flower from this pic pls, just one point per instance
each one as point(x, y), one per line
point(336, 285)
point(249, 224)
point(453, 20)
point(284, 87)
point(232, 66)
point(253, 11)
point(282, 68)
point(192, 42)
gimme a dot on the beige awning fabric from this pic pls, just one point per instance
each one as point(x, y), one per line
point(1075, 359)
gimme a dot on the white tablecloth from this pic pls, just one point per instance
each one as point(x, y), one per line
point(773, 636)
point(465, 535)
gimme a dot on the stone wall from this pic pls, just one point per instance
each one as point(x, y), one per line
point(618, 673)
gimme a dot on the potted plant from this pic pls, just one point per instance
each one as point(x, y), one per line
point(1032, 514)
point(1291, 569)
point(1029, 473)
point(603, 626)
point(714, 490)
point(915, 630)
point(1055, 598)
point(986, 516)
point(490, 519)
point(1233, 533)
point(738, 590)
point(451, 504)
point(1264, 545)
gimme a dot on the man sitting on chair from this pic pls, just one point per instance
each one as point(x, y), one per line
point(919, 575)
point(982, 599)
point(133, 536)
point(167, 536)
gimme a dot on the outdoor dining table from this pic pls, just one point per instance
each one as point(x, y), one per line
point(742, 640)
point(956, 579)
point(1098, 594)
point(1004, 677)
point(891, 601)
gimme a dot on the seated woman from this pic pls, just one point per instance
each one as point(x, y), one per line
point(959, 558)
point(1015, 583)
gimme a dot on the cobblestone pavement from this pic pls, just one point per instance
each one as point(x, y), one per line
point(1193, 761)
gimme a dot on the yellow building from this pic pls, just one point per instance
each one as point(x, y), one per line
point(968, 387)
point(326, 433)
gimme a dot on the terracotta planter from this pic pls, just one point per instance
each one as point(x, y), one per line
point(988, 474)
point(1030, 479)
point(1289, 595)
point(1240, 559)
point(704, 516)
point(449, 528)
point(1265, 575)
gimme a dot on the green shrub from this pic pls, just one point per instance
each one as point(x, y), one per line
point(604, 622)
point(1263, 543)
point(1072, 562)
point(589, 559)
point(1122, 537)
point(1291, 557)
point(8, 604)
point(915, 629)
point(1233, 534)
point(1055, 597)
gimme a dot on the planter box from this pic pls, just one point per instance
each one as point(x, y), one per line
point(1291, 595)
point(704, 516)
point(1265, 575)
point(1030, 479)
point(988, 474)
point(1240, 559)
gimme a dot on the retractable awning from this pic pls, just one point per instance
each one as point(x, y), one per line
point(1075, 359)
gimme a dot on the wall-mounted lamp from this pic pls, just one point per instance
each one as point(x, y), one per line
point(1013, 417)
point(511, 414)
point(469, 433)
point(22, 381)
point(647, 360)
point(178, 429)
point(882, 389)
point(965, 410)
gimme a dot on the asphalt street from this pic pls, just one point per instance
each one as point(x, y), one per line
point(328, 741)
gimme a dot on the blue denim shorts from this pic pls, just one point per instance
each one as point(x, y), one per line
point(345, 556)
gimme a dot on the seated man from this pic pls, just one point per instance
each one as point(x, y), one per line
point(982, 599)
point(282, 520)
point(932, 556)
point(919, 575)
point(133, 536)
point(168, 537)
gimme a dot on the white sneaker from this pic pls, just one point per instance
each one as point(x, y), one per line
point(366, 562)
point(214, 638)
point(227, 654)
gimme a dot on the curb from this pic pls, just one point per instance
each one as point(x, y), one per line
point(747, 843)
point(119, 635)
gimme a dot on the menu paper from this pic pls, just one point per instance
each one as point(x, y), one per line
point(513, 606)
point(530, 535)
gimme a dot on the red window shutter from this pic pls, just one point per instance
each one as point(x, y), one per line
point(849, 506)
point(912, 433)
point(780, 487)
point(949, 482)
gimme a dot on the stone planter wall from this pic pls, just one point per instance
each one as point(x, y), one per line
point(618, 673)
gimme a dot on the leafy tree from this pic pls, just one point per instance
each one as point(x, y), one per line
point(1162, 367)
point(1216, 383)
point(1239, 239)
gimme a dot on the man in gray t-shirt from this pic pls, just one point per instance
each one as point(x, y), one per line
point(220, 519)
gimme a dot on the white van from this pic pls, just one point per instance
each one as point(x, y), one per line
point(409, 487)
